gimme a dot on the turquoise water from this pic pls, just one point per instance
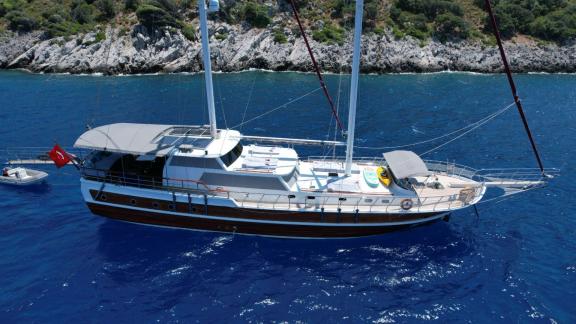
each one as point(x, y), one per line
point(516, 261)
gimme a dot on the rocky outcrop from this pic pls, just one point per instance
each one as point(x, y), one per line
point(237, 48)
point(13, 45)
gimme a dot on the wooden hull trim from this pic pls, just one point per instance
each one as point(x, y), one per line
point(313, 217)
point(164, 219)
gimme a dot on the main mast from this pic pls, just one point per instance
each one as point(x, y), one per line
point(207, 64)
point(354, 85)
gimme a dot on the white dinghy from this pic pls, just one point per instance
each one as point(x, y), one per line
point(21, 176)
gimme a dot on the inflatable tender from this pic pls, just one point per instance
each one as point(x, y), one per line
point(371, 177)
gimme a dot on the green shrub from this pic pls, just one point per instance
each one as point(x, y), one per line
point(123, 31)
point(413, 24)
point(558, 26)
point(256, 15)
point(9, 5)
point(415, 17)
point(511, 19)
point(187, 4)
point(131, 5)
point(63, 28)
point(371, 11)
point(552, 20)
point(100, 36)
point(20, 21)
point(329, 34)
point(398, 34)
point(430, 8)
point(280, 37)
point(338, 8)
point(449, 26)
point(83, 13)
point(107, 9)
point(189, 32)
point(221, 36)
point(379, 31)
point(169, 6)
point(152, 16)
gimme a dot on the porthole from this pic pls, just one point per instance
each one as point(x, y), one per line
point(133, 202)
point(171, 206)
point(155, 204)
point(103, 197)
point(385, 201)
point(368, 200)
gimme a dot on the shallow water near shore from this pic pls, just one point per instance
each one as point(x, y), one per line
point(515, 262)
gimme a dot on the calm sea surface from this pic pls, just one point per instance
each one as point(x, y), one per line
point(516, 262)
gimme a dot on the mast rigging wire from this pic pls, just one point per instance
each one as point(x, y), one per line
point(248, 102)
point(316, 67)
point(276, 108)
point(468, 128)
point(512, 84)
point(489, 118)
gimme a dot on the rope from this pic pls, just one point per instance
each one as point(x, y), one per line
point(472, 125)
point(221, 102)
point(248, 102)
point(470, 130)
point(276, 108)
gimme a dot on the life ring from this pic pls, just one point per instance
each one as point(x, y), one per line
point(406, 204)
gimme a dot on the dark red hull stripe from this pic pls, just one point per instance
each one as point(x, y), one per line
point(258, 214)
point(190, 222)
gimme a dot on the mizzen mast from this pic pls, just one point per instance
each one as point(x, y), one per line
point(354, 85)
point(214, 6)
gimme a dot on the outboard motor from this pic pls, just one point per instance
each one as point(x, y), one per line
point(213, 6)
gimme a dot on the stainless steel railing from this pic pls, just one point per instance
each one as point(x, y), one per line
point(329, 202)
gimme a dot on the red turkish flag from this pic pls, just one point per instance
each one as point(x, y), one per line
point(59, 156)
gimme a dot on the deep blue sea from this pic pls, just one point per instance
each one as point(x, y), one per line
point(514, 262)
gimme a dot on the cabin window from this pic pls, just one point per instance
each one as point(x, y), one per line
point(194, 162)
point(233, 155)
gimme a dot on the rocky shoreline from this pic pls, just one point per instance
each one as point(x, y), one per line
point(151, 51)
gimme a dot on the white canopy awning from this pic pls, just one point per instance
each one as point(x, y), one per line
point(137, 139)
point(406, 164)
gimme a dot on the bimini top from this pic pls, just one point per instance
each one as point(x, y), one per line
point(406, 164)
point(145, 139)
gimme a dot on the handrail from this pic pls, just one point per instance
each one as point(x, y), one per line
point(283, 201)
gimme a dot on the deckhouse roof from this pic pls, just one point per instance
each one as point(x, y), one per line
point(406, 164)
point(150, 139)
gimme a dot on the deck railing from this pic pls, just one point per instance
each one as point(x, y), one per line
point(318, 201)
point(512, 177)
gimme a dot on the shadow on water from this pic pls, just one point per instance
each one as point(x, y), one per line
point(204, 270)
point(150, 250)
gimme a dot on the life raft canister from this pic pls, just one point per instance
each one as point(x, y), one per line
point(406, 204)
